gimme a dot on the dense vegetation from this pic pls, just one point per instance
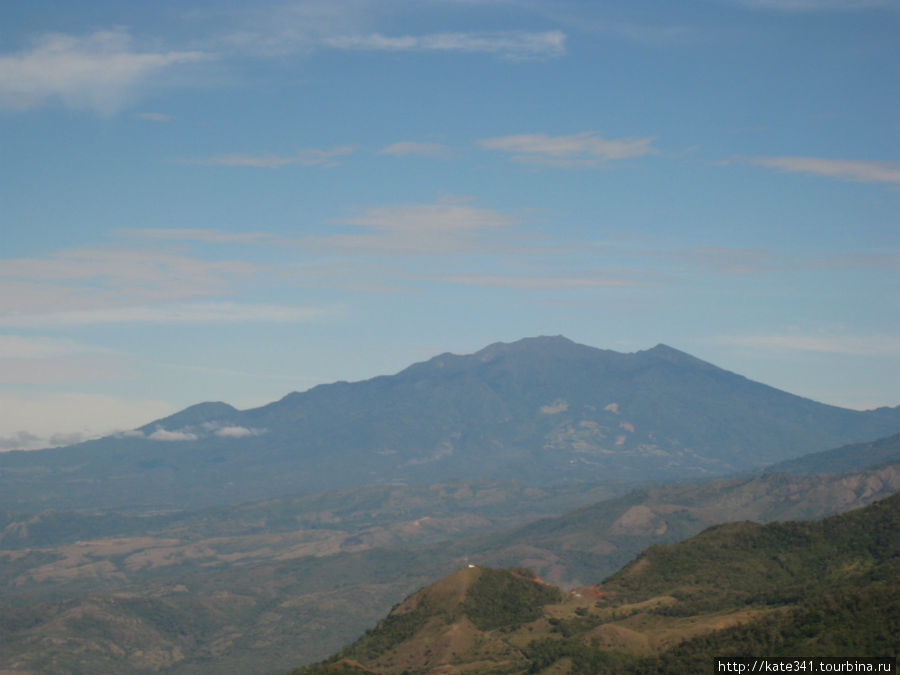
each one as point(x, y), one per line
point(795, 589)
point(499, 599)
point(247, 587)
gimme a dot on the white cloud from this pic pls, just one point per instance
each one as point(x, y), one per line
point(238, 432)
point(98, 72)
point(304, 157)
point(21, 440)
point(210, 312)
point(511, 45)
point(43, 419)
point(862, 345)
point(447, 226)
point(414, 148)
point(576, 150)
point(856, 170)
point(166, 435)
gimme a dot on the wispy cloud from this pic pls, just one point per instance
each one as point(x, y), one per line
point(818, 5)
point(210, 312)
point(414, 148)
point(98, 72)
point(856, 170)
point(533, 282)
point(96, 277)
point(448, 226)
point(238, 432)
point(306, 26)
point(64, 369)
point(207, 235)
point(576, 150)
point(862, 345)
point(304, 157)
point(510, 45)
point(172, 436)
point(39, 347)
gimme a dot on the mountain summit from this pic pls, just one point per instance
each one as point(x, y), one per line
point(542, 409)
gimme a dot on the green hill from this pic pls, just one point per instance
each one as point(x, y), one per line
point(798, 589)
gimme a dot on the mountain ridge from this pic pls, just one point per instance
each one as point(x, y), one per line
point(798, 588)
point(539, 410)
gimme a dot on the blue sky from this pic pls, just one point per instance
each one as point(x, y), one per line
point(231, 201)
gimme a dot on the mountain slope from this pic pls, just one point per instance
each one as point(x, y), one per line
point(593, 541)
point(290, 580)
point(798, 589)
point(538, 410)
point(846, 458)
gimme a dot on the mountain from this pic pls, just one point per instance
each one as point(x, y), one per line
point(846, 458)
point(593, 541)
point(540, 410)
point(824, 588)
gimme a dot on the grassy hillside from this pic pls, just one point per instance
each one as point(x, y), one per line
point(263, 586)
point(800, 589)
point(594, 541)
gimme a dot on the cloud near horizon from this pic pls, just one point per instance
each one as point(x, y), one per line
point(172, 436)
point(38, 419)
point(238, 432)
point(858, 345)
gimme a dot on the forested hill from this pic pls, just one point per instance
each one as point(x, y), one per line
point(793, 589)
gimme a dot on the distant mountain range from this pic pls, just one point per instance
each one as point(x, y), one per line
point(541, 410)
point(846, 458)
point(796, 589)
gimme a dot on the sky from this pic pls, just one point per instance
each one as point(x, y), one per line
point(223, 201)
